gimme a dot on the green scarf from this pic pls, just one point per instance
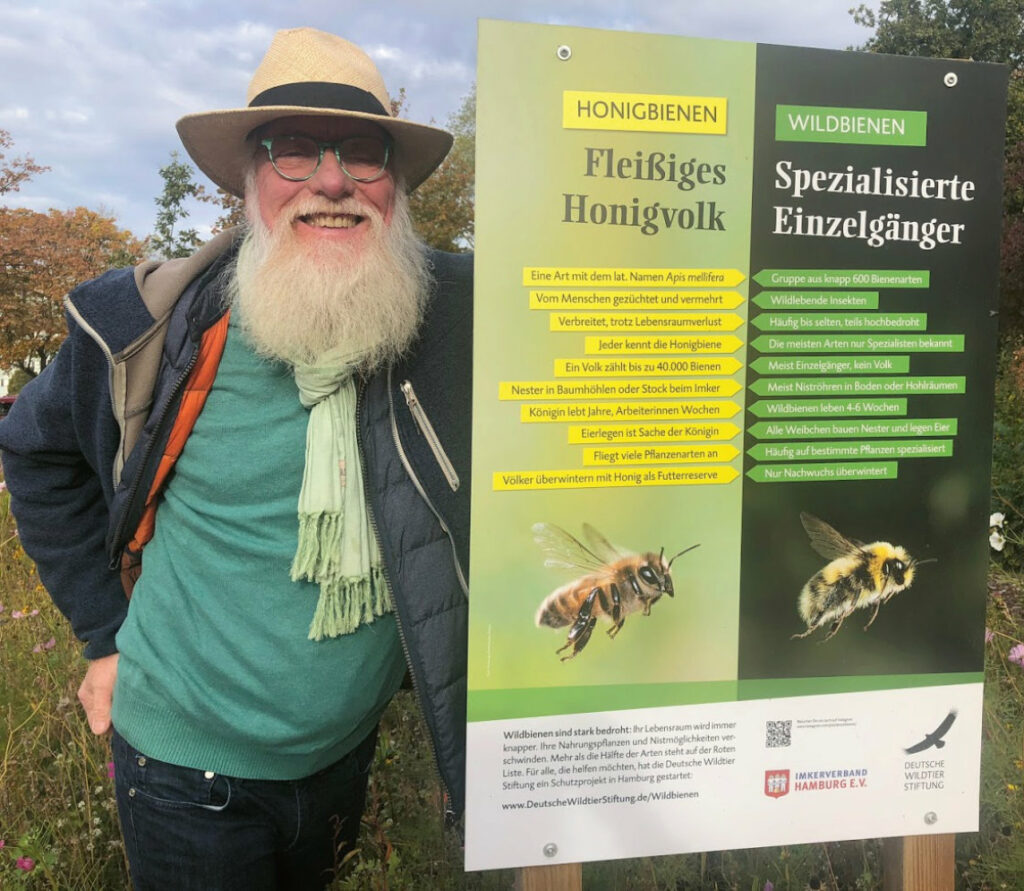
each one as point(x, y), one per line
point(337, 549)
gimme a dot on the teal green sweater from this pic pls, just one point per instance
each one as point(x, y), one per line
point(216, 671)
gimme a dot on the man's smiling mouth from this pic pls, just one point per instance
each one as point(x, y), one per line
point(331, 220)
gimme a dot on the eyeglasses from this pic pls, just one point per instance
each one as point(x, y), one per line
point(298, 158)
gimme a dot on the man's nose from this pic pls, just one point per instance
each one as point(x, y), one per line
point(331, 179)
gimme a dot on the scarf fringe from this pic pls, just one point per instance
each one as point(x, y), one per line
point(345, 604)
point(318, 555)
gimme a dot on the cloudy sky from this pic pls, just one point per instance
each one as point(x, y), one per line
point(92, 88)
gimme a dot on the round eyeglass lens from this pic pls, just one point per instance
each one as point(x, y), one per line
point(363, 157)
point(296, 156)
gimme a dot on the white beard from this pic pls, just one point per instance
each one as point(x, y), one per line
point(296, 301)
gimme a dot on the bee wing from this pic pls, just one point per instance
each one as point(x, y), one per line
point(562, 550)
point(600, 546)
point(826, 540)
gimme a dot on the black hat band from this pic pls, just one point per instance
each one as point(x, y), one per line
point(319, 94)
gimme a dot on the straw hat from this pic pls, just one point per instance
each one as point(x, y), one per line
point(308, 72)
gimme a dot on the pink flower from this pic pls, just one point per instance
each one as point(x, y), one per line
point(768, 886)
point(49, 645)
point(1016, 655)
point(989, 635)
point(110, 770)
point(2, 843)
point(3, 486)
point(25, 863)
point(24, 614)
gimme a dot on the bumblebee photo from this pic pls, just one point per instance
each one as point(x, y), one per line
point(615, 584)
point(858, 576)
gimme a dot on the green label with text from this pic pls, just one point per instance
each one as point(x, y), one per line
point(843, 278)
point(823, 429)
point(857, 343)
point(829, 451)
point(817, 473)
point(858, 386)
point(831, 364)
point(820, 321)
point(817, 300)
point(857, 126)
point(768, 408)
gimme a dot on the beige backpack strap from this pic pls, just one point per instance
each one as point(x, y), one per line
point(161, 284)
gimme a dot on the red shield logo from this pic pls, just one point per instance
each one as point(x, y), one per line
point(776, 783)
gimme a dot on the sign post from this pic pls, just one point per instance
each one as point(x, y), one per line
point(564, 877)
point(919, 863)
point(734, 356)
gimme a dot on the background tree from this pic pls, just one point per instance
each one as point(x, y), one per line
point(16, 171)
point(179, 185)
point(43, 256)
point(232, 209)
point(985, 31)
point(442, 208)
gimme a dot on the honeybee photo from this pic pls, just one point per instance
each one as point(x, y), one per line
point(615, 584)
point(857, 576)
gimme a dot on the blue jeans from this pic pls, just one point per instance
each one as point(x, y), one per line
point(194, 830)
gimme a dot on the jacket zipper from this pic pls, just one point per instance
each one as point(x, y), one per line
point(415, 479)
point(449, 813)
point(427, 429)
point(118, 540)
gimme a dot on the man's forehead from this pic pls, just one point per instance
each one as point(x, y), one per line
point(322, 127)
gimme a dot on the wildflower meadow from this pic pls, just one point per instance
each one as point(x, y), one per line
point(58, 824)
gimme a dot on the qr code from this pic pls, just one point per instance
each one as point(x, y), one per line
point(778, 734)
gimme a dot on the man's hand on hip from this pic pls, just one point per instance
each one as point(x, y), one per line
point(97, 692)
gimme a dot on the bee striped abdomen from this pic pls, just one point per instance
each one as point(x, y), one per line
point(561, 606)
point(830, 588)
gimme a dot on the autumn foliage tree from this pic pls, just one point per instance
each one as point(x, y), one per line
point(43, 256)
point(442, 207)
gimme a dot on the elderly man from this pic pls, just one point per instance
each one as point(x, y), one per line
point(281, 422)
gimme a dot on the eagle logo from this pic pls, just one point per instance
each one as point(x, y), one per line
point(935, 737)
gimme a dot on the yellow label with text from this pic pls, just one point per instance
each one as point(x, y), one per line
point(643, 321)
point(569, 299)
point(645, 366)
point(589, 434)
point(512, 481)
point(643, 112)
point(676, 454)
point(727, 343)
point(578, 389)
point(546, 413)
point(579, 276)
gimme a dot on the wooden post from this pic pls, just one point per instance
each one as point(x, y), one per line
point(919, 863)
point(562, 877)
